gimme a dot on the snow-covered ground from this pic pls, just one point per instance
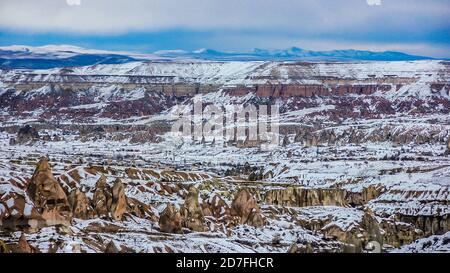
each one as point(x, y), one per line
point(388, 156)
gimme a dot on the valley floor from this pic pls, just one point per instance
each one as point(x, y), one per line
point(327, 199)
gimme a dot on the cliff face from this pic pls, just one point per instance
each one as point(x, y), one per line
point(310, 90)
point(144, 89)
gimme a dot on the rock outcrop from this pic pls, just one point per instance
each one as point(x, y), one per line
point(18, 213)
point(111, 247)
point(3, 247)
point(80, 205)
point(429, 224)
point(24, 135)
point(140, 209)
point(355, 230)
point(304, 197)
point(448, 147)
point(364, 196)
point(109, 202)
point(23, 246)
point(119, 201)
point(170, 220)
point(371, 227)
point(102, 199)
point(397, 234)
point(192, 212)
point(48, 196)
point(216, 207)
point(244, 207)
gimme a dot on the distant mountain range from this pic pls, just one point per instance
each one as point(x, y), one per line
point(45, 57)
point(294, 54)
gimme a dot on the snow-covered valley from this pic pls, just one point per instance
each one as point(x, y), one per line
point(363, 159)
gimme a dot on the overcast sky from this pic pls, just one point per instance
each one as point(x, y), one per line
point(413, 26)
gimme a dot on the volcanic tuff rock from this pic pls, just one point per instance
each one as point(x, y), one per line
point(19, 214)
point(119, 200)
point(354, 136)
point(216, 207)
point(170, 220)
point(363, 197)
point(351, 237)
point(371, 226)
point(448, 146)
point(102, 198)
point(304, 197)
point(431, 217)
point(399, 233)
point(432, 244)
point(80, 205)
point(111, 247)
point(429, 224)
point(140, 209)
point(244, 206)
point(24, 135)
point(110, 202)
point(192, 212)
point(48, 196)
point(3, 247)
point(23, 246)
point(353, 228)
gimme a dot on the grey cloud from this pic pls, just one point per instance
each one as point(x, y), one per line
point(308, 16)
point(415, 26)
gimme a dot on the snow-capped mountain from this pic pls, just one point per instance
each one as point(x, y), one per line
point(51, 56)
point(44, 57)
point(296, 54)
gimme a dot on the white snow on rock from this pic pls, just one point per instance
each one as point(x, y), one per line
point(432, 244)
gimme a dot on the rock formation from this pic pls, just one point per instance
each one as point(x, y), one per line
point(48, 196)
point(354, 231)
point(111, 247)
point(192, 212)
point(244, 207)
point(293, 248)
point(23, 246)
point(102, 199)
point(24, 135)
point(119, 200)
point(80, 205)
point(109, 202)
point(429, 224)
point(285, 141)
point(18, 213)
point(309, 140)
point(3, 247)
point(361, 198)
point(140, 209)
point(448, 146)
point(304, 197)
point(216, 207)
point(371, 227)
point(170, 220)
point(397, 234)
point(313, 198)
